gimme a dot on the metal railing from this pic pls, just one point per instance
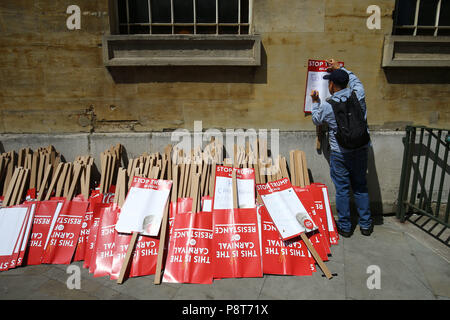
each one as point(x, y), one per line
point(424, 183)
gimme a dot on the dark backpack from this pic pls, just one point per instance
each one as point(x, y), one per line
point(351, 126)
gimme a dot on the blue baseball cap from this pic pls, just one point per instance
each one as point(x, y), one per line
point(339, 77)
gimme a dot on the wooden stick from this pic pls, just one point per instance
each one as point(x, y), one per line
point(22, 185)
point(102, 172)
point(87, 181)
point(76, 179)
point(44, 182)
point(316, 256)
point(187, 172)
point(62, 178)
point(298, 169)
point(34, 168)
point(284, 173)
point(126, 261)
point(54, 179)
point(292, 167)
point(162, 240)
point(9, 171)
point(212, 180)
point(204, 178)
point(11, 185)
point(181, 185)
point(15, 194)
point(234, 189)
point(68, 180)
point(194, 192)
point(41, 168)
point(305, 169)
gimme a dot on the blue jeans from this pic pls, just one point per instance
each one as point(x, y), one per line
point(349, 170)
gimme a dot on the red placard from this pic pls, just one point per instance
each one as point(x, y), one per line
point(92, 237)
point(145, 256)
point(322, 202)
point(20, 246)
point(236, 246)
point(86, 226)
point(189, 257)
point(285, 208)
point(121, 243)
point(105, 241)
point(245, 181)
point(317, 239)
point(43, 216)
point(64, 236)
point(144, 206)
point(314, 81)
point(282, 257)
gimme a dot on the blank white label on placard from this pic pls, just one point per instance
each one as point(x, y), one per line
point(223, 195)
point(142, 211)
point(316, 82)
point(283, 207)
point(52, 224)
point(328, 210)
point(246, 193)
point(207, 205)
point(11, 222)
point(28, 228)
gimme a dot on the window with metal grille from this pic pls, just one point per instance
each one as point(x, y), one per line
point(184, 16)
point(422, 17)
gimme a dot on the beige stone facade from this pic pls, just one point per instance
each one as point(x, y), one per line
point(52, 80)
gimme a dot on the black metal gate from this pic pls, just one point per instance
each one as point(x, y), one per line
point(424, 183)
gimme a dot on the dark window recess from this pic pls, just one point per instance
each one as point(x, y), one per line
point(406, 10)
point(228, 11)
point(206, 11)
point(183, 11)
point(138, 11)
point(419, 18)
point(185, 17)
point(160, 11)
point(444, 17)
point(244, 11)
point(427, 12)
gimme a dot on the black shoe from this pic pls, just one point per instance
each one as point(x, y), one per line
point(345, 234)
point(366, 232)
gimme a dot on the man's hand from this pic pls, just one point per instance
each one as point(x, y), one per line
point(315, 96)
point(333, 65)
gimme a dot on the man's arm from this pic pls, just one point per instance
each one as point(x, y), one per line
point(317, 113)
point(316, 110)
point(355, 84)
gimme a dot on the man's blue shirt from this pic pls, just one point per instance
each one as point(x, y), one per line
point(322, 112)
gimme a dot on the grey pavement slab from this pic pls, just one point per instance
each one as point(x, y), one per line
point(412, 266)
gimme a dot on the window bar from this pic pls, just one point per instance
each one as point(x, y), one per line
point(217, 17)
point(150, 16)
point(239, 16)
point(416, 17)
point(250, 16)
point(116, 12)
point(171, 16)
point(438, 13)
point(128, 18)
point(195, 16)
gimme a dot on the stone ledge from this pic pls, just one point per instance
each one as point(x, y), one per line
point(181, 50)
point(416, 51)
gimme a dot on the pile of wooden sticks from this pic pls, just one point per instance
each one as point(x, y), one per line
point(45, 170)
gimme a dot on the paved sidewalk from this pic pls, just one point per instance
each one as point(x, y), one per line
point(413, 265)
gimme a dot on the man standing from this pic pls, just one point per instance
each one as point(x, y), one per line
point(348, 165)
